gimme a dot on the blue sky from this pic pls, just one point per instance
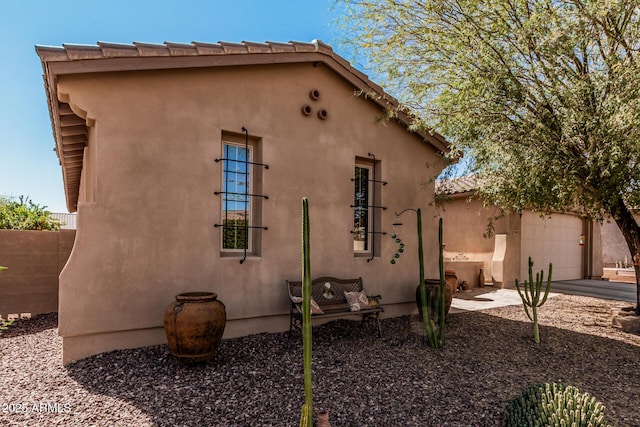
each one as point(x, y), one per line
point(28, 164)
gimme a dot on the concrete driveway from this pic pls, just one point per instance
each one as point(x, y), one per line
point(597, 288)
point(485, 298)
point(488, 297)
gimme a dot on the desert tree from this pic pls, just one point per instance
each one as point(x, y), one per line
point(542, 96)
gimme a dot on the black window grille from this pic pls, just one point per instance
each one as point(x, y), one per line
point(366, 206)
point(238, 222)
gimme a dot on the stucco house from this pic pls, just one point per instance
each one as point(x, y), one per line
point(570, 242)
point(186, 164)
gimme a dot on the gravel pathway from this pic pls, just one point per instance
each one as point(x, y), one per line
point(489, 357)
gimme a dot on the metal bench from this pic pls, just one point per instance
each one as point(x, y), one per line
point(329, 294)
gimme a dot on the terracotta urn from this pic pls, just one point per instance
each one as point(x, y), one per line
point(432, 287)
point(194, 324)
point(452, 280)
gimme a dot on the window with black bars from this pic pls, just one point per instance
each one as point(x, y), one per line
point(366, 207)
point(240, 201)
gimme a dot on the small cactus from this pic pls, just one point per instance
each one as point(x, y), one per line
point(531, 296)
point(4, 324)
point(553, 405)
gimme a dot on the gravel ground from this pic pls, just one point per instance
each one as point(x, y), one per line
point(489, 357)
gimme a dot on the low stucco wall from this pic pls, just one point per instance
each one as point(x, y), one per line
point(467, 271)
point(34, 260)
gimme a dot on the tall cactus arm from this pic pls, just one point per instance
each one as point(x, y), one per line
point(546, 292)
point(307, 409)
point(530, 296)
point(427, 323)
point(539, 280)
point(441, 311)
point(530, 271)
point(306, 416)
point(524, 296)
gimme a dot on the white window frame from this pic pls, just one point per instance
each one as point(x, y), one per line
point(368, 242)
point(250, 204)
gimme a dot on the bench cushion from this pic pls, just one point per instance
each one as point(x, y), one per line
point(357, 300)
point(315, 308)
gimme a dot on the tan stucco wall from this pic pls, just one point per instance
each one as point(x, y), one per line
point(34, 260)
point(147, 208)
point(465, 222)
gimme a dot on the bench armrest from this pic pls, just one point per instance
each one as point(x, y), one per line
point(374, 300)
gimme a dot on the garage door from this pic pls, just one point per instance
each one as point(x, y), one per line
point(553, 240)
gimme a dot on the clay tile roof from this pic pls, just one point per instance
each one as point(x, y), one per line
point(257, 47)
point(78, 51)
point(234, 48)
point(181, 49)
point(151, 49)
point(461, 185)
point(69, 127)
point(281, 47)
point(54, 53)
point(117, 50)
point(303, 47)
point(209, 48)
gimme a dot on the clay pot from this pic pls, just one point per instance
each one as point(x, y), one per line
point(451, 279)
point(432, 287)
point(194, 324)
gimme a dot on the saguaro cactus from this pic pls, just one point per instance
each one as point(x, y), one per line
point(306, 420)
point(433, 333)
point(530, 296)
point(441, 295)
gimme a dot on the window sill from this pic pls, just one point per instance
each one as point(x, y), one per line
point(238, 256)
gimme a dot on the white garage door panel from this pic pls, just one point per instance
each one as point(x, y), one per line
point(552, 240)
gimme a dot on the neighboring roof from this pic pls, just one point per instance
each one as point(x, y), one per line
point(456, 186)
point(70, 130)
point(67, 220)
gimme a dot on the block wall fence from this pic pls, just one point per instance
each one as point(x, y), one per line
point(34, 260)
